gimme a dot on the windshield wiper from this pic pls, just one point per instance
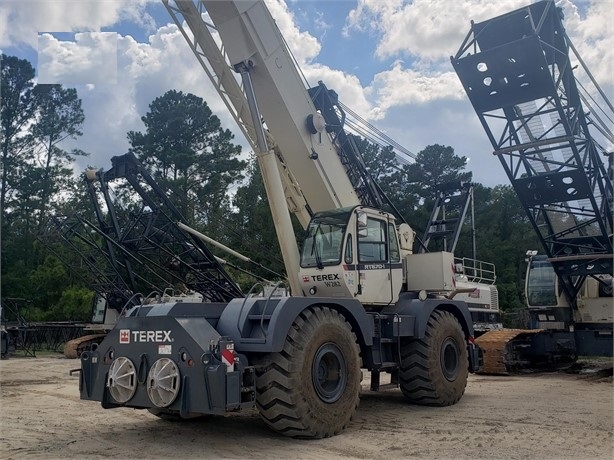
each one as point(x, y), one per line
point(315, 252)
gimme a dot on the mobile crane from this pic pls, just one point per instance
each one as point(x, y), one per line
point(518, 72)
point(360, 297)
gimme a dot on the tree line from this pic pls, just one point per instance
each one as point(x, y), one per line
point(191, 155)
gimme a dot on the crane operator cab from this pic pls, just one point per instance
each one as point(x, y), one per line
point(548, 305)
point(353, 252)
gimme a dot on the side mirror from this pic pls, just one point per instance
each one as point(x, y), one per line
point(361, 217)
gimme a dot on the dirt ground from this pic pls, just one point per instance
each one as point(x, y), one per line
point(541, 416)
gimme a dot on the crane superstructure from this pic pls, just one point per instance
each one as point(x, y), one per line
point(360, 297)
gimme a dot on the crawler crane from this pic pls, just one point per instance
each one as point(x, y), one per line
point(548, 131)
point(360, 298)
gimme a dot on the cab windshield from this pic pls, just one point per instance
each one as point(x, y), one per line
point(323, 243)
point(541, 284)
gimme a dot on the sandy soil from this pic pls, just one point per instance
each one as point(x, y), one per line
point(541, 416)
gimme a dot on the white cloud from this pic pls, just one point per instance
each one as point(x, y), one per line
point(144, 71)
point(91, 58)
point(403, 87)
point(346, 85)
point(417, 99)
point(430, 31)
point(424, 29)
point(304, 46)
point(27, 18)
point(422, 34)
point(592, 34)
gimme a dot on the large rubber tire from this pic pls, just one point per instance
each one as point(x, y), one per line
point(434, 370)
point(312, 387)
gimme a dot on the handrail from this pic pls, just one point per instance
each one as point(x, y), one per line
point(247, 296)
point(275, 287)
point(476, 270)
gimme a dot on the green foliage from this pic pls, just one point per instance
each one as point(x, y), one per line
point(503, 235)
point(75, 304)
point(435, 166)
point(383, 166)
point(189, 153)
point(15, 281)
point(47, 282)
point(510, 297)
point(17, 109)
point(413, 188)
point(37, 177)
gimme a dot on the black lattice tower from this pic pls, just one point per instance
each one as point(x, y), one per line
point(517, 72)
point(448, 216)
point(90, 257)
point(129, 252)
point(148, 235)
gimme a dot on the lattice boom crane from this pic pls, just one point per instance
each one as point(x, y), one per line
point(549, 132)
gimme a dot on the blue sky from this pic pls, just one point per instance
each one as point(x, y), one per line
point(326, 21)
point(388, 60)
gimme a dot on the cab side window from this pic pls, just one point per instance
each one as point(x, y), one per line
point(372, 242)
point(395, 255)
